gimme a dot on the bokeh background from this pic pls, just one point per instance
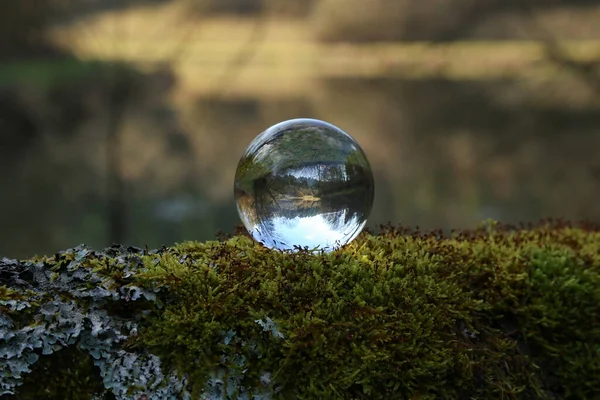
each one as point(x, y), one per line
point(123, 121)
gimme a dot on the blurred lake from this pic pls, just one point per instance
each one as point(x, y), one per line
point(129, 125)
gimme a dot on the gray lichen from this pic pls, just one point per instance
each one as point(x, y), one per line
point(72, 312)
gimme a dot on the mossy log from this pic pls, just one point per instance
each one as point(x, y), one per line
point(498, 312)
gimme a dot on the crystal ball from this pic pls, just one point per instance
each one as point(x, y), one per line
point(304, 183)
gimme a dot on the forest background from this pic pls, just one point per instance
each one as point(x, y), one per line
point(124, 121)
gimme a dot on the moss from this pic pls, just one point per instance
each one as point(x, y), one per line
point(497, 312)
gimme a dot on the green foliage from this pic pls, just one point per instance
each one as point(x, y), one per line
point(491, 313)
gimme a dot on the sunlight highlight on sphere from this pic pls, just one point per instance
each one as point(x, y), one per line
point(306, 183)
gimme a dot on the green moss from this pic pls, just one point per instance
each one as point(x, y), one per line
point(489, 313)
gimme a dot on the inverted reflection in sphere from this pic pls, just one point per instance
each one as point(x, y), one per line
point(306, 183)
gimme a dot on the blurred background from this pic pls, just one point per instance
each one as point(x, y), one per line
point(123, 120)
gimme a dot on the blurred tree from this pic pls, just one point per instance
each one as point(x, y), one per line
point(292, 8)
point(588, 70)
point(22, 27)
point(240, 7)
point(18, 127)
point(432, 20)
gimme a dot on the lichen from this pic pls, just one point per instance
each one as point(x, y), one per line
point(72, 299)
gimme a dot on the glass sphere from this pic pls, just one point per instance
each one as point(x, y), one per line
point(305, 183)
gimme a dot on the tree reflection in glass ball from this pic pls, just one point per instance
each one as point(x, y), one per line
point(305, 183)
